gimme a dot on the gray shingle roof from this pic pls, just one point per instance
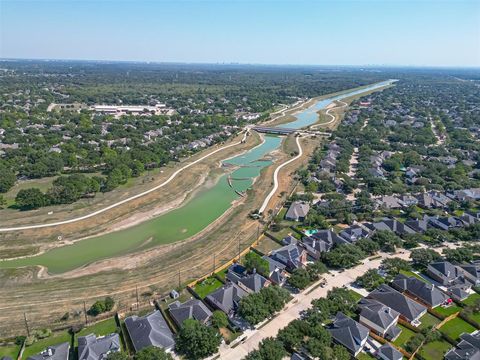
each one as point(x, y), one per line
point(56, 352)
point(92, 348)
point(389, 352)
point(254, 282)
point(427, 293)
point(191, 309)
point(227, 298)
point(149, 330)
point(297, 210)
point(467, 349)
point(348, 332)
point(407, 307)
point(378, 313)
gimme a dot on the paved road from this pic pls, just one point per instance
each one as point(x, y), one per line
point(300, 303)
point(275, 176)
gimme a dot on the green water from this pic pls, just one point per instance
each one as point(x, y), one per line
point(203, 208)
point(196, 214)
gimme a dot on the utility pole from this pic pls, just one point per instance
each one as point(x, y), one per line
point(85, 312)
point(26, 324)
point(213, 271)
point(136, 291)
point(179, 282)
point(239, 249)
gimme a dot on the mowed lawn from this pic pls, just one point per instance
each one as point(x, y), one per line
point(471, 299)
point(102, 328)
point(455, 327)
point(207, 286)
point(435, 350)
point(405, 335)
point(9, 351)
point(447, 311)
point(41, 345)
point(428, 320)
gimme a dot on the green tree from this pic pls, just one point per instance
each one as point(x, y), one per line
point(423, 257)
point(219, 319)
point(368, 246)
point(269, 349)
point(387, 240)
point(299, 278)
point(152, 353)
point(117, 355)
point(458, 255)
point(7, 180)
point(109, 303)
point(254, 261)
point(197, 341)
point(29, 199)
point(340, 353)
point(97, 308)
point(370, 280)
point(394, 265)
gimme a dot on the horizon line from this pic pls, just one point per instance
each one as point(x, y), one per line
point(224, 63)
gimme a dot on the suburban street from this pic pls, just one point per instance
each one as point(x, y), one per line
point(300, 303)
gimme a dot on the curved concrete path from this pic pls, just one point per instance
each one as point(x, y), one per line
point(331, 116)
point(275, 176)
point(95, 213)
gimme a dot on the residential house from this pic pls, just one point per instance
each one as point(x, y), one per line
point(467, 349)
point(471, 272)
point(418, 225)
point(91, 347)
point(149, 330)
point(388, 352)
point(432, 199)
point(391, 225)
point(315, 247)
point(446, 223)
point(467, 194)
point(191, 309)
point(55, 352)
point(227, 298)
point(349, 333)
point(329, 236)
point(235, 272)
point(389, 202)
point(450, 276)
point(253, 283)
point(427, 294)
point(444, 272)
point(297, 211)
point(409, 309)
point(379, 318)
point(354, 233)
point(292, 256)
point(276, 271)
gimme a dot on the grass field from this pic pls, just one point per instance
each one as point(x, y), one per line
point(365, 356)
point(471, 299)
point(411, 273)
point(11, 351)
point(434, 350)
point(207, 286)
point(41, 345)
point(102, 328)
point(428, 320)
point(405, 335)
point(266, 245)
point(447, 311)
point(455, 327)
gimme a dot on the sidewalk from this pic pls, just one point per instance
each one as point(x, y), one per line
point(300, 303)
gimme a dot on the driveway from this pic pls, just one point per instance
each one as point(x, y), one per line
point(300, 303)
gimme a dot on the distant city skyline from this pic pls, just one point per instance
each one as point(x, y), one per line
point(332, 33)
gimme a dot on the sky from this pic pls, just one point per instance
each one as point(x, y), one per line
point(340, 32)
